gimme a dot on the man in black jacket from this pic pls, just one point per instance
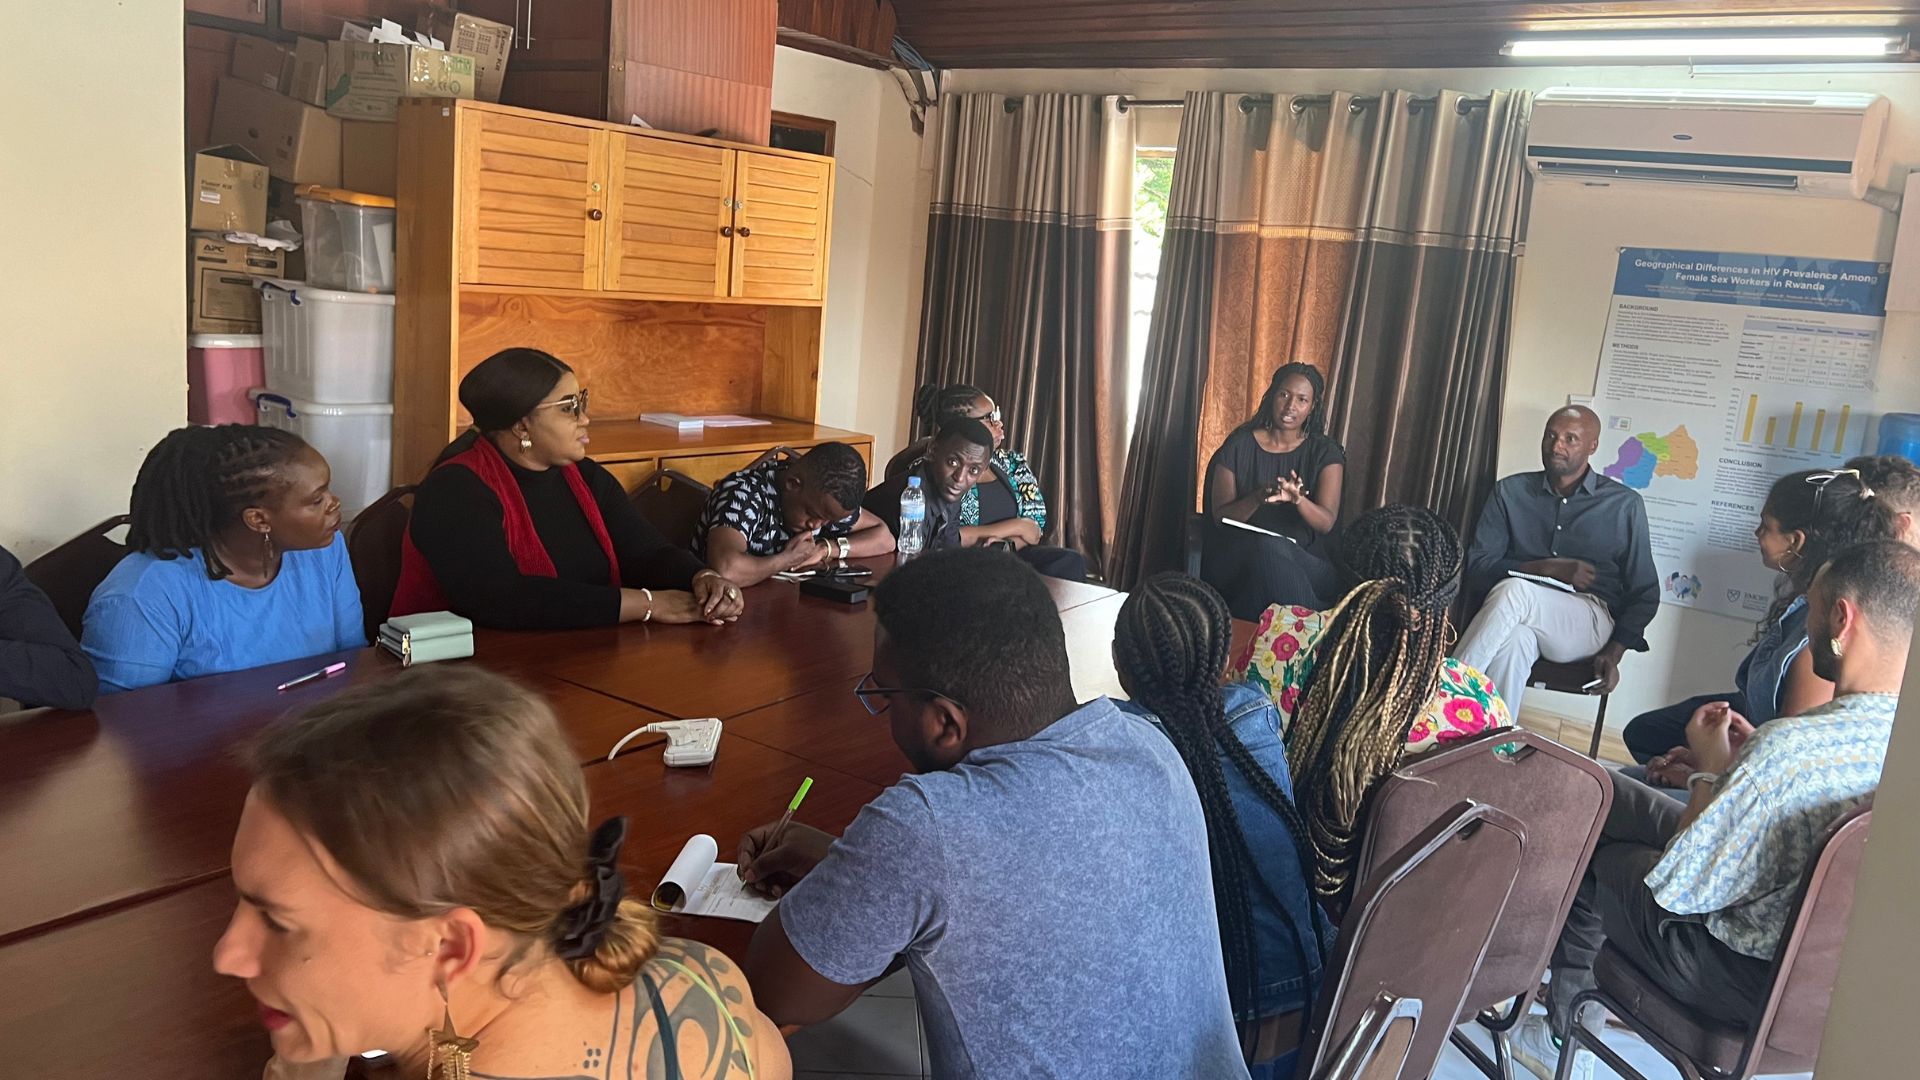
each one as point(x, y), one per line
point(40, 663)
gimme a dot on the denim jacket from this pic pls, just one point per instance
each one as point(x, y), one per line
point(1765, 668)
point(1284, 987)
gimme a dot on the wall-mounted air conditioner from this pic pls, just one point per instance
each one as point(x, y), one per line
point(1805, 143)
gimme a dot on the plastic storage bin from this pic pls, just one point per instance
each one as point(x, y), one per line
point(221, 368)
point(356, 440)
point(325, 345)
point(1900, 434)
point(349, 239)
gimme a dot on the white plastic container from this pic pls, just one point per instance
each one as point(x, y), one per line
point(349, 239)
point(356, 440)
point(325, 345)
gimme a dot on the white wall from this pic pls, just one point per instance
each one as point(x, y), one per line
point(93, 286)
point(1567, 274)
point(872, 320)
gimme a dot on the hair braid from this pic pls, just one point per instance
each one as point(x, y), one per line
point(1172, 639)
point(196, 481)
point(1379, 658)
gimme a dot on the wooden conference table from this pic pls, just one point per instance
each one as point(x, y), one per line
point(115, 825)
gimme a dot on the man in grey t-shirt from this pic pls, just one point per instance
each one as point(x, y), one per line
point(1044, 877)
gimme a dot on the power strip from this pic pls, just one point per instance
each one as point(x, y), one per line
point(689, 742)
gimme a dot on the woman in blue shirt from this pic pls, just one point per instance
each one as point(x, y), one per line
point(1170, 645)
point(237, 562)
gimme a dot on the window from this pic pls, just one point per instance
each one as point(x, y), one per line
point(1155, 133)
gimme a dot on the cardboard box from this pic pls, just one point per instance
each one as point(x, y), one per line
point(298, 142)
point(310, 72)
point(369, 156)
point(262, 63)
point(224, 293)
point(229, 191)
point(366, 80)
point(488, 42)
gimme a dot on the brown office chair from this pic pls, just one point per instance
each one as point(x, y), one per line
point(1571, 679)
point(69, 573)
point(902, 461)
point(671, 502)
point(1785, 1037)
point(1416, 932)
point(373, 545)
point(1561, 798)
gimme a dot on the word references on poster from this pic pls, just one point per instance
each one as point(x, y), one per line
point(1720, 372)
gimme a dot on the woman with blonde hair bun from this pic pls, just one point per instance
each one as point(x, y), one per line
point(417, 875)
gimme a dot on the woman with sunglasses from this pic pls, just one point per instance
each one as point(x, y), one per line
point(517, 529)
point(1809, 517)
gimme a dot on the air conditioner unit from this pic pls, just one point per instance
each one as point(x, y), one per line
point(1812, 143)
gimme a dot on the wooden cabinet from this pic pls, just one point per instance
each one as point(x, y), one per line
point(673, 273)
point(670, 221)
point(253, 11)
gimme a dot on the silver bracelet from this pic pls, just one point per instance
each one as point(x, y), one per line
point(1694, 778)
point(648, 617)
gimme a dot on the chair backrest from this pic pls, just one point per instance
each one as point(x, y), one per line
point(899, 463)
point(1560, 797)
point(1787, 1038)
point(672, 502)
point(1194, 542)
point(373, 544)
point(69, 573)
point(1417, 931)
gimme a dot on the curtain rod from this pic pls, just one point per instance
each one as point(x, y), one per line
point(1250, 102)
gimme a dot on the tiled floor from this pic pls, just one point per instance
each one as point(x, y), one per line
point(879, 1038)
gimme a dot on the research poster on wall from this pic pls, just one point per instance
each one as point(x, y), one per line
point(1719, 373)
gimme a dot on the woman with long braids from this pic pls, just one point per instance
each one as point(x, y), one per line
point(1277, 473)
point(1365, 684)
point(237, 562)
point(1170, 646)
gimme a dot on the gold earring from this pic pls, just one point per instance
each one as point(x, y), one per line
point(449, 1056)
point(1834, 646)
point(526, 443)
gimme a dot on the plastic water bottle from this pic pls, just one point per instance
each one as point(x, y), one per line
point(913, 519)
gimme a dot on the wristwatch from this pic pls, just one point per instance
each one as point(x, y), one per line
point(846, 546)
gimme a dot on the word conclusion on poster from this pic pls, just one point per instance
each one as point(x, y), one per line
point(1720, 373)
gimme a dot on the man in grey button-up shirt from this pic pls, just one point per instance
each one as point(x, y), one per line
point(1576, 527)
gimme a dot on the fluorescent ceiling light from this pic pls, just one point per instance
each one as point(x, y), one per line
point(1860, 45)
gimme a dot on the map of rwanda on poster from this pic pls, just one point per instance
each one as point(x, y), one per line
point(1646, 455)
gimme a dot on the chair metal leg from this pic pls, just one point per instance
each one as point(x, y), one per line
point(1502, 1054)
point(1599, 728)
point(1478, 1057)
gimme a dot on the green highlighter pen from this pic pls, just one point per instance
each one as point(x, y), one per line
point(773, 841)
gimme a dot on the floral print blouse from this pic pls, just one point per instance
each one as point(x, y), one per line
point(1282, 653)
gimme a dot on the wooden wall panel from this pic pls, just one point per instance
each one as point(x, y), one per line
point(635, 356)
point(790, 384)
point(864, 24)
point(727, 39)
point(689, 103)
point(209, 54)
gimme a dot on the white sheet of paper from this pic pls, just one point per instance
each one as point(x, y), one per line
point(1537, 579)
point(702, 886)
point(729, 420)
point(1256, 529)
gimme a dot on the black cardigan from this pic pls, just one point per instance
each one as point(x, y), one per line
point(40, 663)
point(457, 528)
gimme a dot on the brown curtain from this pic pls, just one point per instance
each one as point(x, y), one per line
point(1027, 272)
point(1376, 238)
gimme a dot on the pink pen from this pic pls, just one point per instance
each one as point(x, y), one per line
point(324, 673)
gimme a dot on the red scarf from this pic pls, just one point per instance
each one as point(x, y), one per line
point(418, 590)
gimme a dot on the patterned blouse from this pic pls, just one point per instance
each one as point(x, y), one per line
point(1012, 466)
point(1282, 654)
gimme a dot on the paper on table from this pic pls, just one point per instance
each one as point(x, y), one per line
point(697, 885)
point(729, 420)
point(1537, 579)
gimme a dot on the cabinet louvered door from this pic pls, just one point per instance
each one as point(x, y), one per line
point(780, 228)
point(669, 226)
point(533, 211)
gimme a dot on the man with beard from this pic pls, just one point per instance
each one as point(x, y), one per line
point(1697, 898)
point(1577, 528)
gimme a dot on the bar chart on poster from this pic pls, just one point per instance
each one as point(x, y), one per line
point(1719, 373)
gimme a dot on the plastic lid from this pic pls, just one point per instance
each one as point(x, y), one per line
point(341, 195)
point(223, 341)
point(913, 481)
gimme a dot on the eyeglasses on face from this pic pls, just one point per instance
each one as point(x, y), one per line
point(992, 416)
point(866, 690)
point(574, 404)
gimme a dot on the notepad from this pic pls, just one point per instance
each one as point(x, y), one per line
point(1551, 583)
point(1257, 529)
point(730, 420)
point(697, 885)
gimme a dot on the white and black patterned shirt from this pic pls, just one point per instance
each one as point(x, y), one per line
point(749, 500)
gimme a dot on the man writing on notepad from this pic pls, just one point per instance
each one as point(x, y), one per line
point(1586, 534)
point(1043, 875)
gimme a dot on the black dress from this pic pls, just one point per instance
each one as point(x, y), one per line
point(1252, 571)
point(456, 526)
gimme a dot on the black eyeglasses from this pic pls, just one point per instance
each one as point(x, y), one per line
point(867, 693)
point(1820, 480)
point(994, 416)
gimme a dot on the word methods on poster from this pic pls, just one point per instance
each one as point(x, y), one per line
point(1719, 373)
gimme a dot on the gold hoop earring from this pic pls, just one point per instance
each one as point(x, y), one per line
point(449, 1056)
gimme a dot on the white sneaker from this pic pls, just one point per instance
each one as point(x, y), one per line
point(1533, 1045)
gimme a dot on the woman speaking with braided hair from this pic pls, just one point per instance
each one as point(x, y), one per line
point(1361, 686)
point(237, 562)
point(1170, 645)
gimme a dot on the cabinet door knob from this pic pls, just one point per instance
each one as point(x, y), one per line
point(744, 231)
point(594, 215)
point(726, 230)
